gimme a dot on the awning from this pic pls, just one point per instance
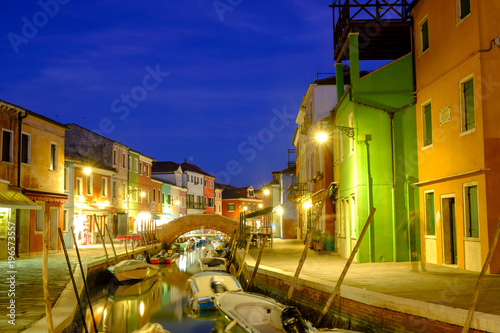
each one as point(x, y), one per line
point(264, 211)
point(46, 196)
point(17, 200)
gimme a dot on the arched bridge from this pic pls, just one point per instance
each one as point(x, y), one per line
point(168, 233)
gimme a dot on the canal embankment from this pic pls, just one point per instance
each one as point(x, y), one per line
point(378, 297)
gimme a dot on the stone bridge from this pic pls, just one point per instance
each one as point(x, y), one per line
point(168, 233)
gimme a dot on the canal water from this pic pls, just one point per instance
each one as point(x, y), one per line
point(162, 300)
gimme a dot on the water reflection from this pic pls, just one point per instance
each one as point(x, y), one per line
point(160, 300)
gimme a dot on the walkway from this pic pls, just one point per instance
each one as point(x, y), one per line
point(438, 284)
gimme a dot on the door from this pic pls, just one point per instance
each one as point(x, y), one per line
point(449, 231)
point(54, 224)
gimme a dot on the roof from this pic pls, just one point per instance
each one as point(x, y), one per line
point(17, 108)
point(15, 199)
point(194, 168)
point(165, 167)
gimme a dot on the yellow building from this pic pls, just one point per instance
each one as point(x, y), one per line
point(457, 66)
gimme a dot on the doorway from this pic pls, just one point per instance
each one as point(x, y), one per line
point(449, 230)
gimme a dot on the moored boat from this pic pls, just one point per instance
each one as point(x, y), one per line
point(204, 286)
point(164, 257)
point(213, 264)
point(133, 270)
point(256, 313)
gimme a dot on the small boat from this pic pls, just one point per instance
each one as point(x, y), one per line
point(202, 241)
point(164, 257)
point(256, 313)
point(213, 264)
point(126, 291)
point(133, 270)
point(204, 286)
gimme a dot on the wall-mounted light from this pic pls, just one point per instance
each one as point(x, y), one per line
point(87, 170)
point(266, 192)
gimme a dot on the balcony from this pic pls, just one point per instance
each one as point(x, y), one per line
point(384, 28)
point(196, 205)
point(296, 190)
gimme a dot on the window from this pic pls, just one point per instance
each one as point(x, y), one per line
point(66, 179)
point(467, 113)
point(163, 197)
point(140, 194)
point(471, 206)
point(430, 223)
point(115, 157)
point(113, 193)
point(154, 195)
point(140, 168)
point(104, 188)
point(136, 193)
point(89, 185)
point(423, 28)
point(136, 165)
point(25, 148)
point(230, 207)
point(40, 217)
point(7, 146)
point(53, 156)
point(427, 124)
point(351, 140)
point(130, 163)
point(124, 160)
point(147, 170)
point(254, 208)
point(205, 182)
point(79, 186)
point(147, 196)
point(463, 9)
point(250, 193)
point(169, 199)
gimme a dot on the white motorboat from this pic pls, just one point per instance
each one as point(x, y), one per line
point(203, 287)
point(133, 270)
point(213, 264)
point(256, 313)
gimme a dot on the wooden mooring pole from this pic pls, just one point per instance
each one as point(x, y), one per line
point(257, 264)
point(112, 245)
point(70, 270)
point(244, 256)
point(102, 239)
point(346, 268)
point(45, 273)
point(84, 278)
point(480, 279)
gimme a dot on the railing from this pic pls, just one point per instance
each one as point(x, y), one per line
point(196, 205)
point(347, 12)
point(296, 190)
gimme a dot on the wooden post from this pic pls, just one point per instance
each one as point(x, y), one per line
point(125, 243)
point(481, 277)
point(45, 271)
point(301, 263)
point(346, 268)
point(112, 245)
point(309, 238)
point(102, 239)
point(257, 264)
point(244, 257)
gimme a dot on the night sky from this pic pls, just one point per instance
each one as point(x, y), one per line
point(218, 83)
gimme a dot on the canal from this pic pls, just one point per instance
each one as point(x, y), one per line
point(162, 300)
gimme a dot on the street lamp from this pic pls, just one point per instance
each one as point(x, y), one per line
point(266, 192)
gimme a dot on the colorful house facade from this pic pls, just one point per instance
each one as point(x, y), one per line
point(374, 141)
point(32, 173)
point(457, 63)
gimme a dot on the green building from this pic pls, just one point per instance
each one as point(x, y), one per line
point(375, 164)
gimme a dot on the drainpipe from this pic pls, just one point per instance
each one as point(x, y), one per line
point(393, 192)
point(19, 124)
point(18, 211)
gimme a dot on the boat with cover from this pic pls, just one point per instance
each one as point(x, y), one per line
point(256, 313)
point(213, 264)
point(204, 286)
point(164, 257)
point(133, 270)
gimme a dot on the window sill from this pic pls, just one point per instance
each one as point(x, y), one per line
point(430, 237)
point(460, 20)
point(472, 239)
point(428, 146)
point(467, 132)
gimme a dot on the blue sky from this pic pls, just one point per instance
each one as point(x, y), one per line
point(219, 82)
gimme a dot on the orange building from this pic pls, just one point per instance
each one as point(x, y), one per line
point(32, 148)
point(457, 66)
point(241, 200)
